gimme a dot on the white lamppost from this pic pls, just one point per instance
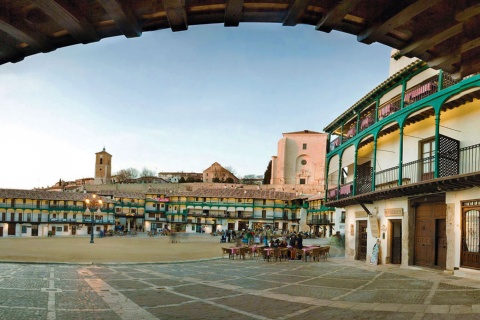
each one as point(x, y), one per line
point(94, 204)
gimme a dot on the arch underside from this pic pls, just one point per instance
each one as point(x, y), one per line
point(28, 27)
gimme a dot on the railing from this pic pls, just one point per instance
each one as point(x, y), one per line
point(388, 108)
point(346, 190)
point(332, 193)
point(334, 143)
point(448, 81)
point(421, 91)
point(318, 221)
point(386, 178)
point(419, 170)
point(470, 159)
point(366, 122)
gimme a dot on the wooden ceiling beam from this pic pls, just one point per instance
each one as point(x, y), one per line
point(295, 12)
point(176, 14)
point(68, 18)
point(335, 15)
point(233, 13)
point(23, 34)
point(430, 40)
point(467, 13)
point(380, 29)
point(123, 17)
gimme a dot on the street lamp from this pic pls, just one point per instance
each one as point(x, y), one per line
point(93, 205)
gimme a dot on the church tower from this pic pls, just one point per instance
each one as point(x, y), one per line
point(103, 167)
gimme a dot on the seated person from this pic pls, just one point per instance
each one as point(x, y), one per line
point(299, 242)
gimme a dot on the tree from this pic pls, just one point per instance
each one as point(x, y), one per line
point(268, 173)
point(229, 180)
point(215, 180)
point(182, 180)
point(147, 173)
point(190, 179)
point(232, 171)
point(125, 174)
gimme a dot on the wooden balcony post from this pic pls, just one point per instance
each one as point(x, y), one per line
point(437, 141)
point(440, 80)
point(374, 164)
point(400, 156)
point(404, 88)
point(339, 175)
point(355, 156)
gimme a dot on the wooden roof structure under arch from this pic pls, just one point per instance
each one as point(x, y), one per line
point(444, 33)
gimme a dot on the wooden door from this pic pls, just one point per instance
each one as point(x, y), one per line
point(428, 233)
point(362, 240)
point(34, 230)
point(441, 242)
point(11, 229)
point(1, 231)
point(471, 238)
point(396, 232)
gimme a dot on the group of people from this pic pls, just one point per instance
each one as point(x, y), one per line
point(266, 237)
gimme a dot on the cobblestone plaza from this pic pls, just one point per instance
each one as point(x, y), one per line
point(234, 289)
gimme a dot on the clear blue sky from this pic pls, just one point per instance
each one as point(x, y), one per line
point(177, 101)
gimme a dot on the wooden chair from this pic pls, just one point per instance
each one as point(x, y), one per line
point(315, 254)
point(323, 253)
point(327, 252)
point(260, 252)
point(299, 253)
point(226, 251)
point(277, 254)
point(244, 251)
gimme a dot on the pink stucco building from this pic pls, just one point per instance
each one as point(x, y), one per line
point(300, 159)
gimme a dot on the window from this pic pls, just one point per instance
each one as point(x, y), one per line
point(304, 146)
point(24, 229)
point(59, 229)
point(302, 181)
point(342, 219)
point(151, 215)
point(427, 153)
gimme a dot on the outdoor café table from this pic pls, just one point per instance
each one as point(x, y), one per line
point(269, 253)
point(254, 248)
point(306, 250)
point(234, 251)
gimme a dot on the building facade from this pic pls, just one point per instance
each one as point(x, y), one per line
point(25, 213)
point(404, 163)
point(300, 159)
point(103, 167)
point(217, 173)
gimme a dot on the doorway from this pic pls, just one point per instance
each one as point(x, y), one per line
point(430, 235)
point(396, 241)
point(34, 230)
point(362, 240)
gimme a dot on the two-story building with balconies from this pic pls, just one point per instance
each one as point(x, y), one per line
point(404, 162)
point(215, 209)
point(25, 213)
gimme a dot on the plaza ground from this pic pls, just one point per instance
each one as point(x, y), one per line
point(110, 249)
point(212, 287)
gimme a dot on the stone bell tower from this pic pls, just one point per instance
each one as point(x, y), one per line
point(103, 167)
